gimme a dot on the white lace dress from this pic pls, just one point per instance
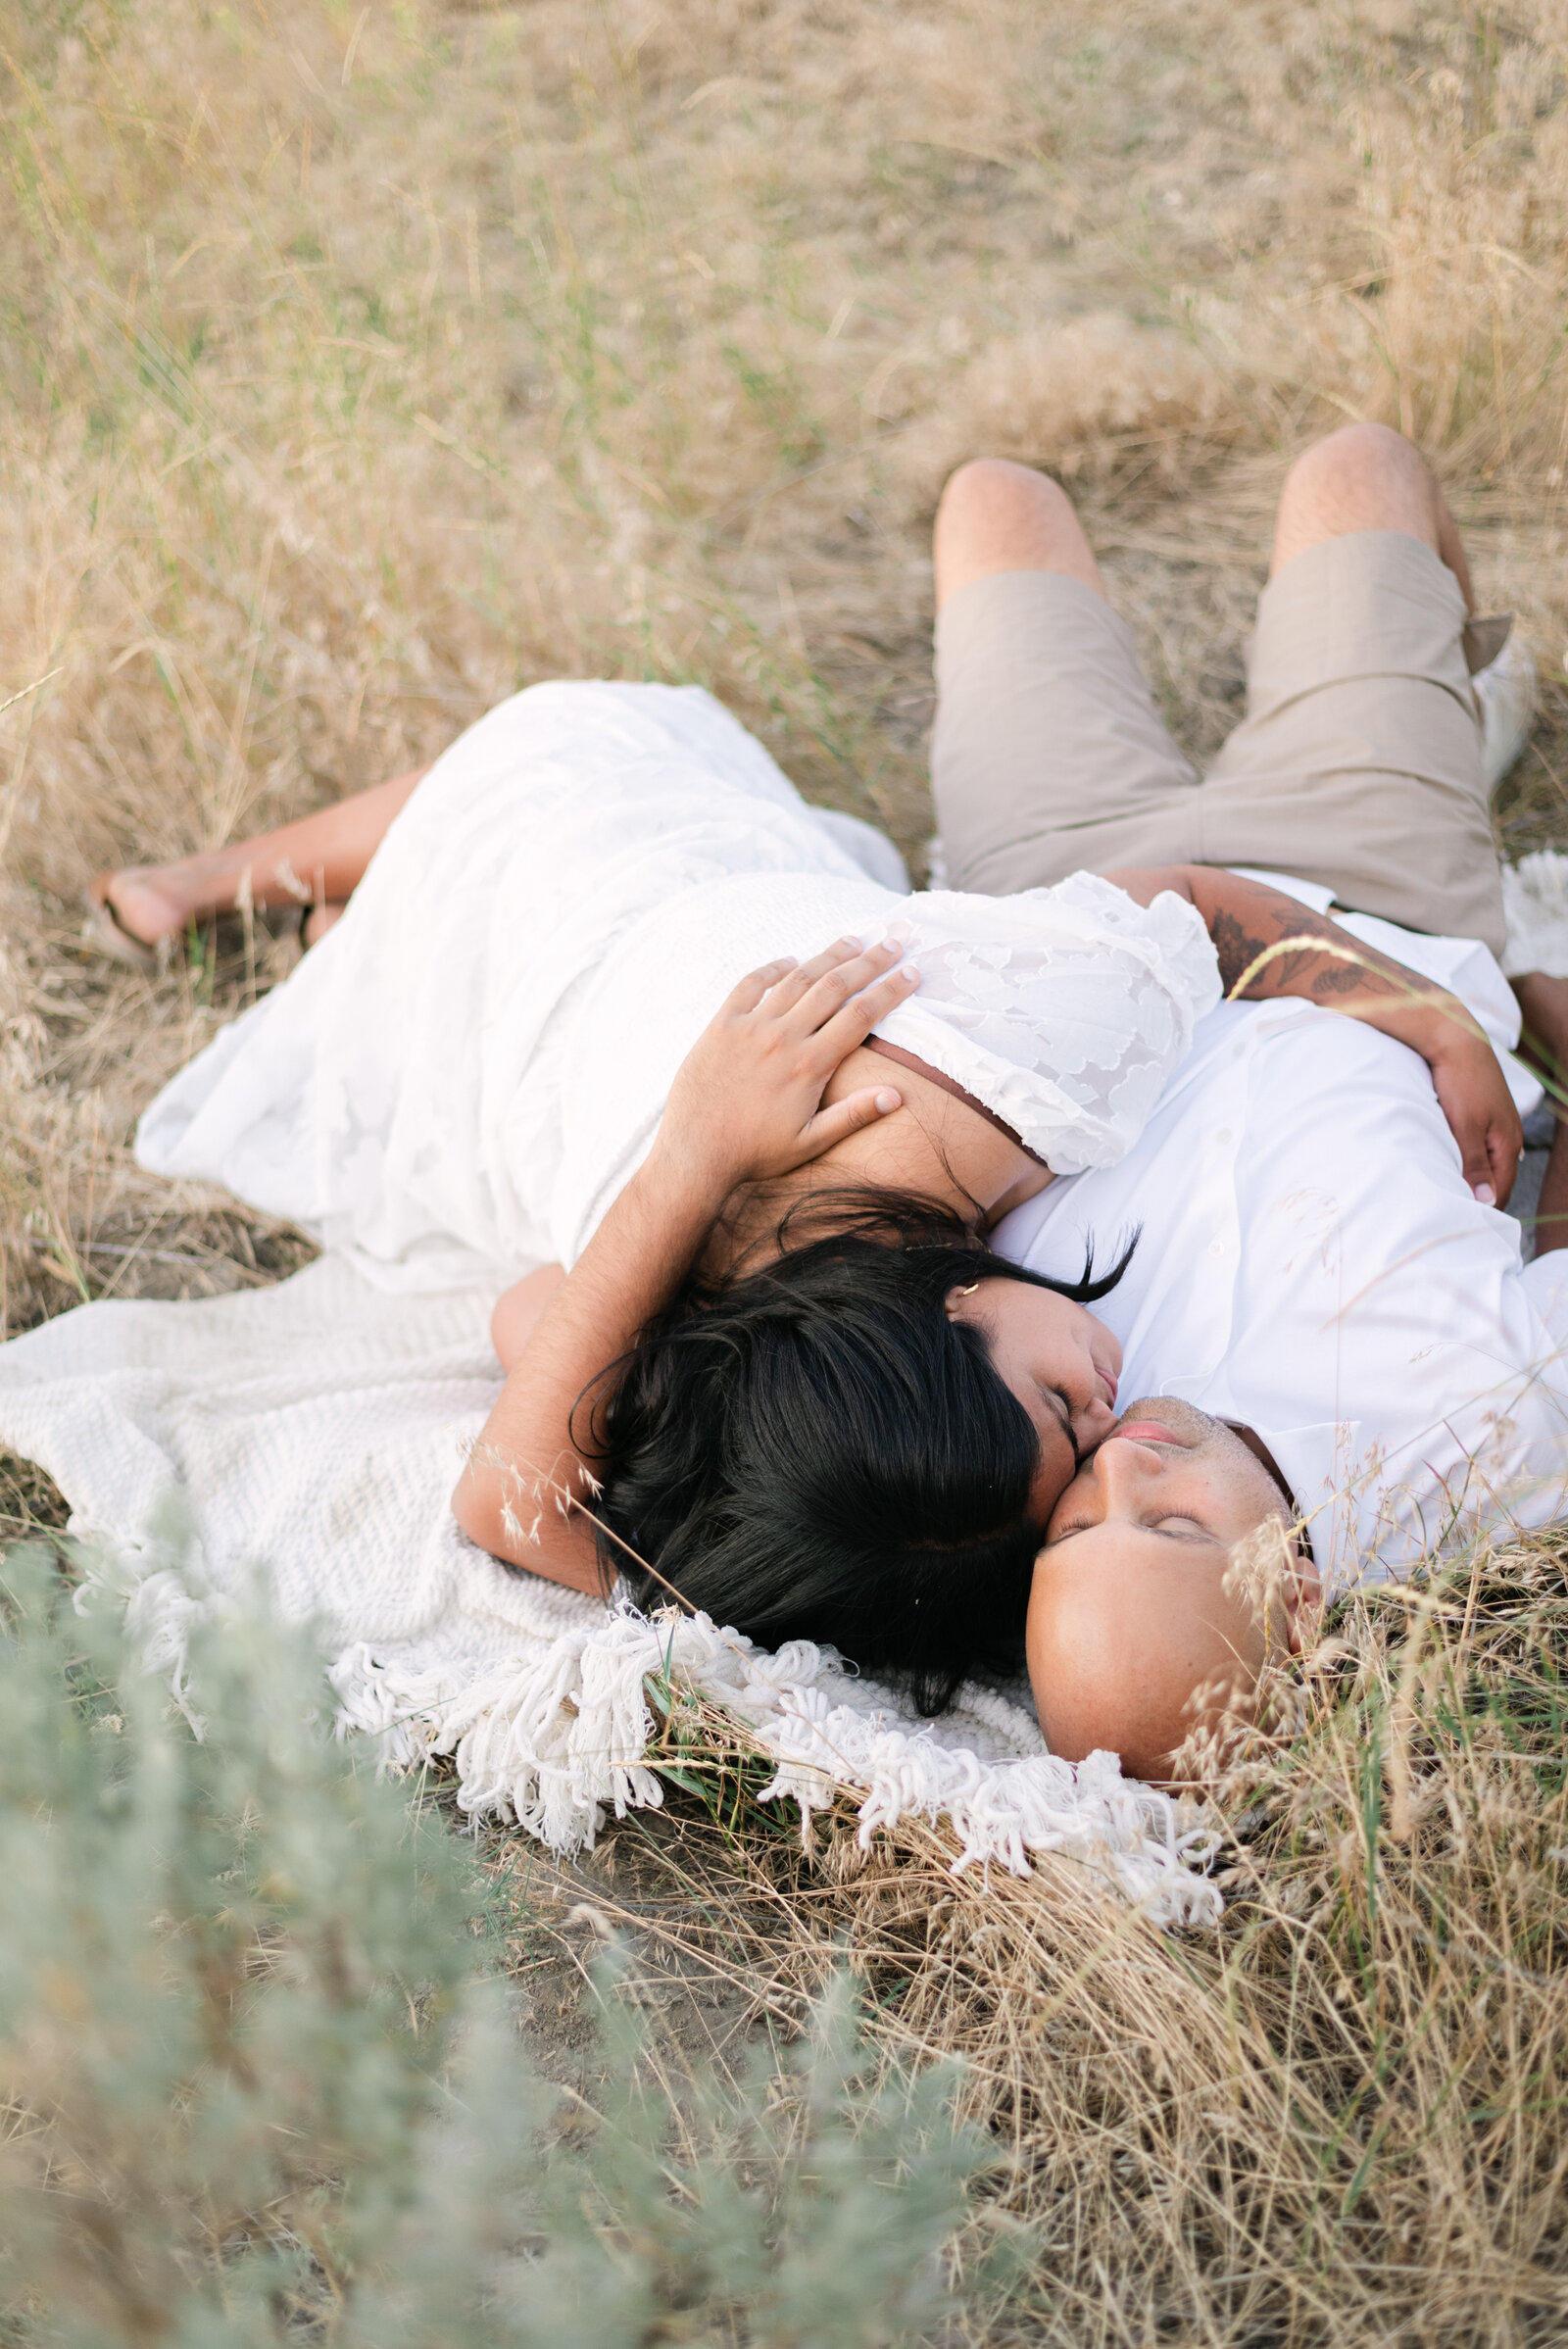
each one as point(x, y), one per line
point(475, 1060)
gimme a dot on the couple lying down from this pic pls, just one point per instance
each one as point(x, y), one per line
point(846, 1222)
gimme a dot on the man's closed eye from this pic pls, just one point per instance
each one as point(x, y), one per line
point(1175, 1529)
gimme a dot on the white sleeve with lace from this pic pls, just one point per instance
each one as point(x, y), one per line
point(1064, 1010)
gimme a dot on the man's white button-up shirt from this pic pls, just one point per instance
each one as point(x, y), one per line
point(1312, 1262)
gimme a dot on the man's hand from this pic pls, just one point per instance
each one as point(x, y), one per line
point(1474, 1096)
point(1267, 945)
point(746, 1100)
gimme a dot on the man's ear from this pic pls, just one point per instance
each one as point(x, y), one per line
point(1302, 1594)
point(1272, 1575)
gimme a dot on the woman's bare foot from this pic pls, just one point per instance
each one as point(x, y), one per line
point(147, 903)
point(314, 862)
point(144, 911)
point(142, 937)
point(135, 915)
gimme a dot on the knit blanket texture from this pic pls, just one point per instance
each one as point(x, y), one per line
point(310, 1433)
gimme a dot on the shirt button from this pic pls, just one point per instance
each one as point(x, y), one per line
point(1224, 1135)
point(1216, 1247)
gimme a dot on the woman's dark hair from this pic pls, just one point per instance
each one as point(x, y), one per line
point(819, 1451)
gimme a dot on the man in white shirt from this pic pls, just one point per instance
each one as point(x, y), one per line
point(1312, 1267)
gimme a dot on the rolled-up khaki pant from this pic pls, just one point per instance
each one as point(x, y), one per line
point(1358, 764)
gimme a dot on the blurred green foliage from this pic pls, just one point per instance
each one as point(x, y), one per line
point(262, 2080)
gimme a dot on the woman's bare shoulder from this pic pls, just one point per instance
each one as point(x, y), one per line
point(940, 1144)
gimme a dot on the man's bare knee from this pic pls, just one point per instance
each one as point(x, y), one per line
point(1360, 458)
point(988, 485)
point(1363, 477)
point(995, 516)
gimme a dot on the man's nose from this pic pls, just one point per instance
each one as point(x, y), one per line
point(1124, 1468)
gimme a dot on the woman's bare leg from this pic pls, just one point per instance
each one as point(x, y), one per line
point(322, 919)
point(315, 863)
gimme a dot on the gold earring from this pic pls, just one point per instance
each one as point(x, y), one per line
point(969, 1292)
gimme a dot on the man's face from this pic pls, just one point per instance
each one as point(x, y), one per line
point(1134, 1609)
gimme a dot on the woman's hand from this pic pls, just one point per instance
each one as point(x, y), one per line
point(746, 1100)
point(745, 1104)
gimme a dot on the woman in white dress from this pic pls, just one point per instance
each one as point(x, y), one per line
point(830, 1411)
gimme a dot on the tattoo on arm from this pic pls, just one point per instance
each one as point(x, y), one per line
point(1234, 948)
point(1293, 973)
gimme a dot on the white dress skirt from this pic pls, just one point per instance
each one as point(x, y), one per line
point(475, 1060)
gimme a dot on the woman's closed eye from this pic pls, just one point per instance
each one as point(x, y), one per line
point(1061, 1403)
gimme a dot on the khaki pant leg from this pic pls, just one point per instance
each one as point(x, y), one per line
point(1358, 763)
point(1049, 755)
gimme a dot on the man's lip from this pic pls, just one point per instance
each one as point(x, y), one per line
point(1146, 1431)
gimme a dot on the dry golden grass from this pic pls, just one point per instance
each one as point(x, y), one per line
point(358, 363)
point(1339, 2119)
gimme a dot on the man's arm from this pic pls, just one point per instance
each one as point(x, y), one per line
point(1543, 1007)
point(1250, 925)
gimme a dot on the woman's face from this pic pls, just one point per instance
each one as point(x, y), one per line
point(1059, 1361)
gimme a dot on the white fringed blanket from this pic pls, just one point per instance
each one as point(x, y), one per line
point(314, 1431)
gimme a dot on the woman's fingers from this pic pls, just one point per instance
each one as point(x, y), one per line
point(1473, 1134)
point(853, 1024)
point(833, 1000)
point(748, 992)
point(813, 991)
point(813, 1000)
